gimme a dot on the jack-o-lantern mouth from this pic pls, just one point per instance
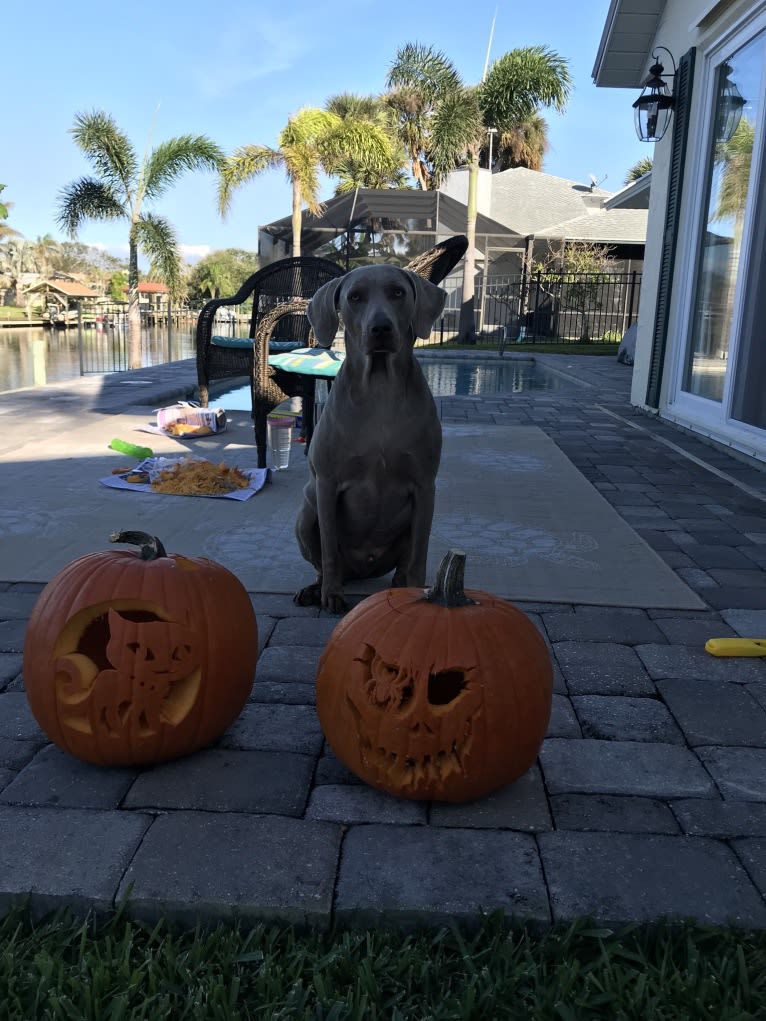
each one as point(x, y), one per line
point(407, 771)
point(415, 731)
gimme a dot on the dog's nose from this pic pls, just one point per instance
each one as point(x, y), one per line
point(381, 326)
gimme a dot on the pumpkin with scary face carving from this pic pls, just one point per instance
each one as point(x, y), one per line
point(443, 695)
point(133, 658)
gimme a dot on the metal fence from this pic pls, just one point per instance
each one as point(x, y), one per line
point(548, 308)
point(102, 336)
point(542, 308)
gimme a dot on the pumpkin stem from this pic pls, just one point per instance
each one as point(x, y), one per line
point(448, 587)
point(151, 547)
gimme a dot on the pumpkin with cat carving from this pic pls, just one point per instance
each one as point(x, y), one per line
point(136, 657)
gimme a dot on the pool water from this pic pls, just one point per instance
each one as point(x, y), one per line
point(452, 378)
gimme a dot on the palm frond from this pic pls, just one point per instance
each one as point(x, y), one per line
point(523, 144)
point(361, 141)
point(424, 70)
point(457, 130)
point(108, 149)
point(641, 167)
point(156, 237)
point(241, 167)
point(522, 81)
point(177, 156)
point(87, 199)
point(307, 126)
point(349, 104)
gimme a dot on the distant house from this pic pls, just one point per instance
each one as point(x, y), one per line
point(700, 354)
point(546, 211)
point(522, 216)
point(61, 292)
point(60, 295)
point(152, 295)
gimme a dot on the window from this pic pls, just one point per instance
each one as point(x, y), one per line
point(721, 268)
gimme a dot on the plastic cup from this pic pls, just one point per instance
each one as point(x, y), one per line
point(279, 438)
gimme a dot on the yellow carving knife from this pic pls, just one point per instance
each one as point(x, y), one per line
point(736, 646)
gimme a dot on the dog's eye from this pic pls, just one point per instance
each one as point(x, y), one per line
point(354, 296)
point(398, 292)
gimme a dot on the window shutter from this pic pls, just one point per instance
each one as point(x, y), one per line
point(683, 90)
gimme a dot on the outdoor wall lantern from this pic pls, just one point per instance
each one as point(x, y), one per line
point(655, 104)
point(730, 105)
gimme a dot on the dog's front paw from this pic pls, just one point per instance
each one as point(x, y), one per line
point(311, 595)
point(333, 602)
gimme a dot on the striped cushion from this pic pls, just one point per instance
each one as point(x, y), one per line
point(309, 361)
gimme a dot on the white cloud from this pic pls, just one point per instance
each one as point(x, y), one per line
point(195, 252)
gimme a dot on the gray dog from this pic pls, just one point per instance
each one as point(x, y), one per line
point(368, 505)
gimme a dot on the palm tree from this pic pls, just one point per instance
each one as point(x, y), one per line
point(449, 121)
point(522, 145)
point(735, 157)
point(641, 167)
point(354, 173)
point(124, 183)
point(45, 249)
point(312, 141)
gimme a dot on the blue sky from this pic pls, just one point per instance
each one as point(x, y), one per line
point(236, 71)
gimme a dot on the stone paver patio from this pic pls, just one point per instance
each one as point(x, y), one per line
point(648, 800)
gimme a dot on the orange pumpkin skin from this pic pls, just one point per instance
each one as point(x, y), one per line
point(434, 702)
point(130, 660)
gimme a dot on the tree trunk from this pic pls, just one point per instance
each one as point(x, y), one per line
point(467, 329)
point(297, 218)
point(134, 312)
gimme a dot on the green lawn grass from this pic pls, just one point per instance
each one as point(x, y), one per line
point(124, 971)
point(12, 312)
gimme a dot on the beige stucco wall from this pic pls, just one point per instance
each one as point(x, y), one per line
point(456, 186)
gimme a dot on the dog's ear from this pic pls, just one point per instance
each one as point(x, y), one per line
point(322, 312)
point(429, 302)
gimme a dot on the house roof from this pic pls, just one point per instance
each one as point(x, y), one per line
point(68, 288)
point(151, 287)
point(608, 227)
point(633, 196)
point(626, 41)
point(528, 201)
point(399, 209)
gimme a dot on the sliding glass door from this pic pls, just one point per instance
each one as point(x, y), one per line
point(724, 264)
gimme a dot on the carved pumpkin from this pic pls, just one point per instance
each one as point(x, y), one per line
point(439, 694)
point(135, 657)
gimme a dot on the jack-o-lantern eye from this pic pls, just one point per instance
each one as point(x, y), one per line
point(386, 685)
point(445, 687)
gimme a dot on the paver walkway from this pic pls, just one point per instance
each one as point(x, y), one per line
point(649, 798)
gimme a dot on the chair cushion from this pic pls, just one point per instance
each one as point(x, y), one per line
point(309, 361)
point(237, 342)
point(243, 343)
point(278, 346)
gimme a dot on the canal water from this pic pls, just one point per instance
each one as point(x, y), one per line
point(31, 357)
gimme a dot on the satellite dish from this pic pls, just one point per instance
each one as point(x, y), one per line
point(595, 183)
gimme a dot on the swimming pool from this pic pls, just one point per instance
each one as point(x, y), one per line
point(455, 377)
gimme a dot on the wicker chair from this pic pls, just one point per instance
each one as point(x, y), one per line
point(439, 261)
point(275, 284)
